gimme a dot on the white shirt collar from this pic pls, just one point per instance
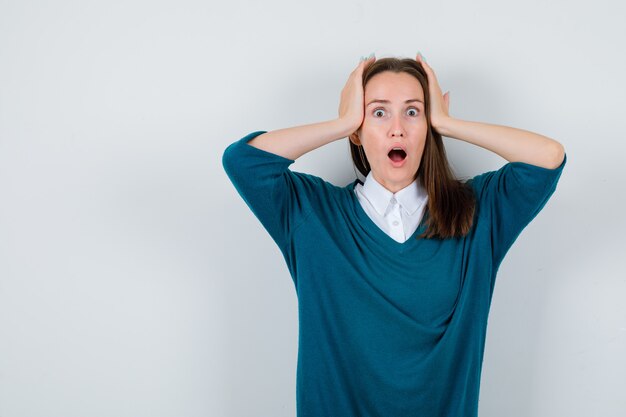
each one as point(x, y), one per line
point(411, 197)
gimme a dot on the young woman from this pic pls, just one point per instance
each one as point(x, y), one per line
point(394, 275)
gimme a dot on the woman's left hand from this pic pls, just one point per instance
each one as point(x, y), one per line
point(439, 104)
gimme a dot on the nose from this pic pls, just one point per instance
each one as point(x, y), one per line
point(396, 127)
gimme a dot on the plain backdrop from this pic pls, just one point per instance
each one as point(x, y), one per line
point(134, 280)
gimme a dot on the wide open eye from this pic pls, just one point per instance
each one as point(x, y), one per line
point(414, 110)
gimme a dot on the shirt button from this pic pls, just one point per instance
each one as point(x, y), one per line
point(395, 222)
point(393, 200)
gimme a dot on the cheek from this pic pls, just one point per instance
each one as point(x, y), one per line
point(370, 124)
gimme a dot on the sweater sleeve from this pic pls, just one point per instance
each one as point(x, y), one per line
point(510, 198)
point(277, 196)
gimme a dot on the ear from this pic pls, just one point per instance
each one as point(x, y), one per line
point(354, 138)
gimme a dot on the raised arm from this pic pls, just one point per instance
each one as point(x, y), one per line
point(514, 145)
point(294, 142)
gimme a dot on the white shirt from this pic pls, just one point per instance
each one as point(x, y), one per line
point(397, 214)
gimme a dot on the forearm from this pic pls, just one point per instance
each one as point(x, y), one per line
point(514, 145)
point(294, 142)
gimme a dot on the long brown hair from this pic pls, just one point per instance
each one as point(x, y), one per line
point(451, 203)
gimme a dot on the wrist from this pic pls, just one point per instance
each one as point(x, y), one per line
point(348, 126)
point(443, 125)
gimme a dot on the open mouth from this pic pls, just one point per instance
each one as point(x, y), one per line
point(397, 155)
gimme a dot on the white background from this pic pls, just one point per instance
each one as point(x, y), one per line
point(134, 281)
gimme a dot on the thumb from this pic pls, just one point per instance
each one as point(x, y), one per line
point(446, 99)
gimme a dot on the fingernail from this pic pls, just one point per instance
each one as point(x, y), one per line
point(371, 55)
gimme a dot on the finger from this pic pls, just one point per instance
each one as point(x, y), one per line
point(360, 64)
point(425, 65)
point(427, 69)
point(421, 59)
point(365, 64)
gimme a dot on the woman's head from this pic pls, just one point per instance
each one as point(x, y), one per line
point(396, 122)
point(399, 121)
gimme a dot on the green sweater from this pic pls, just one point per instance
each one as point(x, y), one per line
point(386, 328)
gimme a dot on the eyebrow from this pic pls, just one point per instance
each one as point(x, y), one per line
point(387, 101)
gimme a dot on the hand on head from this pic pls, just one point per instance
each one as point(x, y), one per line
point(351, 105)
point(439, 104)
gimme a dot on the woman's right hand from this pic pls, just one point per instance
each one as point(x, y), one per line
point(351, 105)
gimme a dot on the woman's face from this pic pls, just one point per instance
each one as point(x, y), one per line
point(398, 121)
